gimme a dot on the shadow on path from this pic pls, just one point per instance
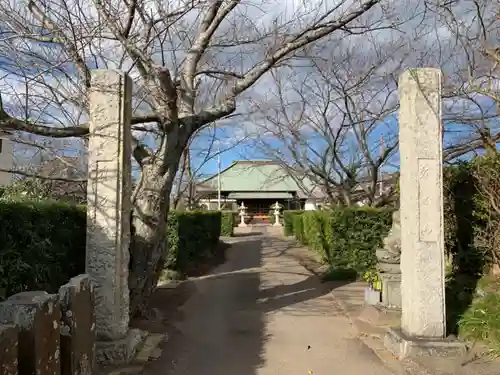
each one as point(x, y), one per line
point(246, 316)
point(213, 324)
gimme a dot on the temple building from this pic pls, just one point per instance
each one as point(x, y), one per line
point(258, 184)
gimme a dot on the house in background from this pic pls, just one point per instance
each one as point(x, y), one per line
point(258, 184)
point(6, 158)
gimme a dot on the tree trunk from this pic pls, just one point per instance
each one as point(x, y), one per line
point(148, 240)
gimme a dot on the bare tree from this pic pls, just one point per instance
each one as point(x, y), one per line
point(203, 148)
point(473, 31)
point(327, 124)
point(475, 27)
point(331, 124)
point(178, 53)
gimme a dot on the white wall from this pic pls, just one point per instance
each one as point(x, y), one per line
point(6, 159)
point(310, 205)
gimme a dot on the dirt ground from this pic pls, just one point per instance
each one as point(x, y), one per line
point(260, 312)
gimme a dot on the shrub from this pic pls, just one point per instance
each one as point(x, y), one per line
point(345, 238)
point(336, 274)
point(236, 218)
point(462, 226)
point(314, 231)
point(298, 229)
point(288, 216)
point(471, 190)
point(227, 223)
point(42, 245)
point(486, 213)
point(481, 321)
point(353, 235)
point(191, 236)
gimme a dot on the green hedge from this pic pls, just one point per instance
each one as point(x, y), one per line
point(354, 234)
point(42, 245)
point(288, 216)
point(191, 236)
point(227, 223)
point(236, 218)
point(345, 238)
point(298, 229)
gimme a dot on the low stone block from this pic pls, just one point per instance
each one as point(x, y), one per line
point(403, 346)
point(78, 334)
point(121, 351)
point(36, 315)
point(8, 350)
point(391, 290)
point(372, 297)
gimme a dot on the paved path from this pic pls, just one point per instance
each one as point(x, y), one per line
point(262, 313)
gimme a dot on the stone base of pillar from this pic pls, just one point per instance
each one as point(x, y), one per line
point(121, 351)
point(277, 225)
point(403, 346)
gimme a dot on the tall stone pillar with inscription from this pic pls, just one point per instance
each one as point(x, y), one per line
point(423, 321)
point(108, 213)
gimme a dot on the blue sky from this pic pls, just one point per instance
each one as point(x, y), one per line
point(245, 151)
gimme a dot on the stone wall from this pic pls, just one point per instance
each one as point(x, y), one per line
point(49, 334)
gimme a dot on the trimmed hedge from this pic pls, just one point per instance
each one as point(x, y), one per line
point(227, 223)
point(42, 245)
point(288, 216)
point(298, 229)
point(354, 234)
point(192, 236)
point(345, 238)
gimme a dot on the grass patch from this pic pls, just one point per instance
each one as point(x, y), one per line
point(340, 274)
point(476, 313)
point(481, 322)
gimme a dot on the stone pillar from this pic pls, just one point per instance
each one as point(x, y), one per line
point(108, 200)
point(421, 186)
point(8, 350)
point(423, 321)
point(109, 208)
point(76, 300)
point(36, 316)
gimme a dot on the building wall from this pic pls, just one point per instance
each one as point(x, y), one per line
point(310, 205)
point(6, 159)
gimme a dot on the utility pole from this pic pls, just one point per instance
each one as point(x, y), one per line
point(218, 179)
point(381, 175)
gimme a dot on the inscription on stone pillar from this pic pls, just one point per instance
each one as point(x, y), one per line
point(428, 223)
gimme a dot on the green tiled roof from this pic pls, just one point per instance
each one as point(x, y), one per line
point(260, 195)
point(247, 176)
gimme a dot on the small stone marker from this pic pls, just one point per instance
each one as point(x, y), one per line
point(77, 326)
point(8, 350)
point(36, 316)
point(423, 321)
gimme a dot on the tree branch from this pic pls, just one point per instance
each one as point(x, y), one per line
point(34, 175)
point(70, 46)
point(308, 36)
